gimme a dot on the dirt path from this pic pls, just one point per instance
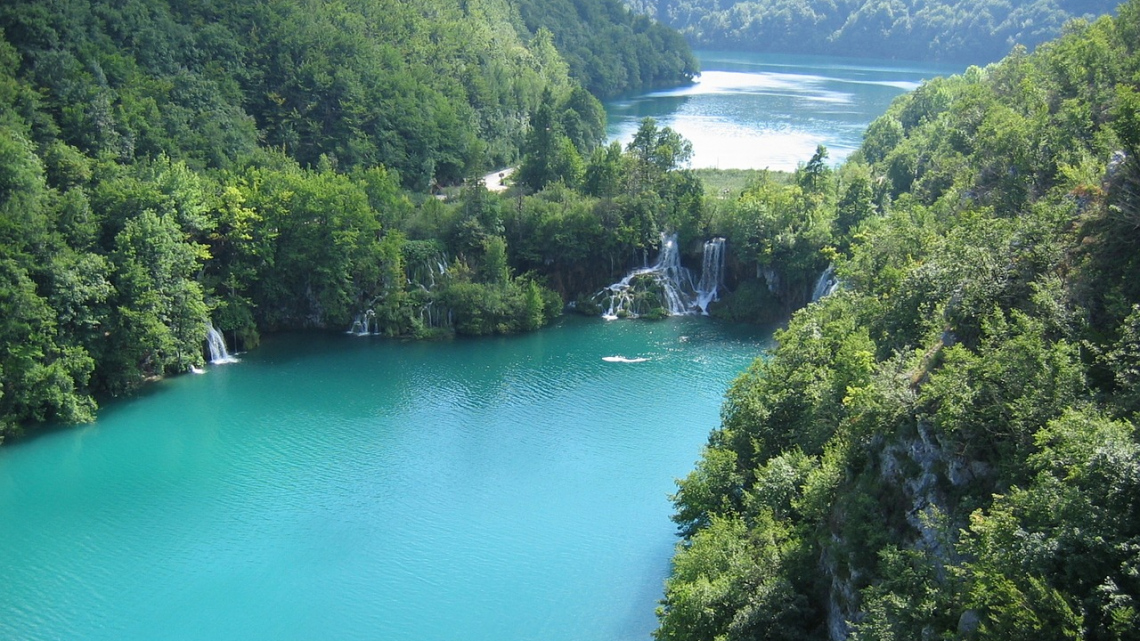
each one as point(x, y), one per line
point(494, 180)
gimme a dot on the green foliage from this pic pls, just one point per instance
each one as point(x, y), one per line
point(794, 400)
point(780, 231)
point(164, 167)
point(1123, 361)
point(610, 50)
point(714, 488)
point(1056, 558)
point(580, 242)
point(41, 380)
point(161, 317)
point(497, 308)
point(911, 602)
point(990, 402)
point(727, 584)
point(323, 230)
point(652, 153)
point(435, 89)
point(949, 438)
point(961, 30)
point(549, 154)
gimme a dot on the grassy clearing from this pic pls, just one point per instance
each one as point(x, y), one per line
point(728, 183)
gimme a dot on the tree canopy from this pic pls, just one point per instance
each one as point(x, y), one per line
point(946, 446)
point(970, 31)
point(261, 166)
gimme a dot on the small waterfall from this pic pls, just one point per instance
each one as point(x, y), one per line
point(712, 274)
point(431, 318)
point(424, 272)
point(674, 282)
point(362, 324)
point(826, 285)
point(771, 278)
point(219, 355)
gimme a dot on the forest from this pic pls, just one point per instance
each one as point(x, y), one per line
point(967, 31)
point(946, 447)
point(262, 166)
point(609, 49)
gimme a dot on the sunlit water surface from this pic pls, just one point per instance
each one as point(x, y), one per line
point(757, 111)
point(340, 487)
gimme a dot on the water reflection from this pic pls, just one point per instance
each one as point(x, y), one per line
point(771, 111)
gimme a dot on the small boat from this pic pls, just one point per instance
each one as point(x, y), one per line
point(622, 359)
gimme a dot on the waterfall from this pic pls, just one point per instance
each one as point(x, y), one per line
point(826, 285)
point(674, 282)
point(431, 318)
point(712, 274)
point(423, 272)
point(771, 278)
point(219, 355)
point(362, 324)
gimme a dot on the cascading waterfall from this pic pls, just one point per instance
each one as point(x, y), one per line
point(625, 298)
point(771, 278)
point(425, 272)
point(826, 285)
point(712, 274)
point(362, 324)
point(433, 318)
point(216, 343)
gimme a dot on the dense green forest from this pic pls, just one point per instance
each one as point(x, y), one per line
point(434, 90)
point(266, 165)
point(946, 447)
point(610, 49)
point(970, 31)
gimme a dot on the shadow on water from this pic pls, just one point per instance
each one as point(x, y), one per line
point(108, 406)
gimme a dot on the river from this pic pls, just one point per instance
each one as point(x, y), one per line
point(757, 111)
point(330, 486)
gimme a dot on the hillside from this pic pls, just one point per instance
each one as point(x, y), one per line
point(969, 31)
point(609, 49)
point(946, 447)
point(265, 166)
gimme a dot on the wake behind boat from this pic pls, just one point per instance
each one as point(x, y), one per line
point(622, 359)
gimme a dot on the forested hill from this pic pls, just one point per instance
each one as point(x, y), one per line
point(264, 165)
point(970, 31)
point(425, 88)
point(946, 448)
point(610, 49)
point(434, 89)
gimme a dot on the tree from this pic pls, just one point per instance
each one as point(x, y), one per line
point(549, 155)
point(652, 153)
point(160, 317)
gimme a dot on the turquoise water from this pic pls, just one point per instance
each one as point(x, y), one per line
point(339, 487)
point(756, 111)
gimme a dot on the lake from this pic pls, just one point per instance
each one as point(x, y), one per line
point(330, 486)
point(757, 111)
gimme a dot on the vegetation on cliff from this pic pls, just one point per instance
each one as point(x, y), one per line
point(946, 447)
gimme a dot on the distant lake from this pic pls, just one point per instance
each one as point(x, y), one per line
point(756, 111)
